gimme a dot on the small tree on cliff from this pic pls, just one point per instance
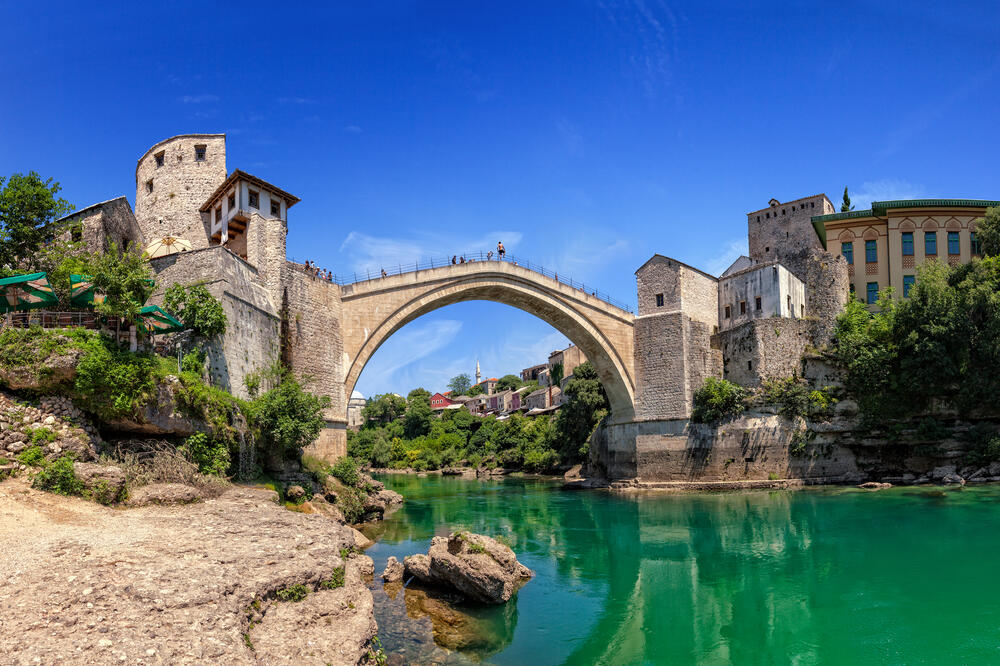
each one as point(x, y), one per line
point(846, 205)
point(195, 306)
point(287, 417)
point(459, 384)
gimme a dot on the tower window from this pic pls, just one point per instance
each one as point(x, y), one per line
point(218, 215)
point(743, 307)
point(659, 300)
point(232, 200)
point(729, 312)
point(199, 153)
point(159, 159)
point(76, 233)
point(149, 186)
point(275, 208)
point(756, 304)
point(254, 199)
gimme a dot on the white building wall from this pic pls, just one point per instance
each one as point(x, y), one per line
point(781, 295)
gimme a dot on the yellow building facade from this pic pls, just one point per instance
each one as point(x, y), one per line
point(885, 244)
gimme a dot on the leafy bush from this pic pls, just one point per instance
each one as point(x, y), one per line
point(335, 580)
point(718, 399)
point(33, 457)
point(194, 362)
point(41, 436)
point(351, 502)
point(346, 469)
point(59, 477)
point(211, 455)
point(197, 308)
point(292, 593)
point(791, 394)
point(112, 382)
point(287, 417)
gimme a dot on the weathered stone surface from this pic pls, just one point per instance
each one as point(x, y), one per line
point(393, 571)
point(160, 584)
point(164, 493)
point(295, 492)
point(477, 566)
point(329, 626)
point(57, 370)
point(162, 415)
point(874, 485)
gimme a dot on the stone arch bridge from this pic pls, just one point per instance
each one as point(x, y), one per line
point(373, 310)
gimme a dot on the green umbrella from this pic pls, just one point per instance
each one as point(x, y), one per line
point(26, 292)
point(154, 320)
point(83, 292)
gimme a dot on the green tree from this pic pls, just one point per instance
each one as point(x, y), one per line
point(124, 278)
point(27, 205)
point(988, 232)
point(846, 205)
point(195, 306)
point(418, 418)
point(383, 409)
point(557, 374)
point(288, 417)
point(460, 384)
point(475, 390)
point(584, 405)
point(509, 383)
point(717, 399)
point(419, 395)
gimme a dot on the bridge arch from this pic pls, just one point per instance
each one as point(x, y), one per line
point(374, 310)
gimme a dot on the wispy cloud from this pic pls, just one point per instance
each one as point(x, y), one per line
point(884, 190)
point(730, 252)
point(569, 134)
point(582, 256)
point(371, 253)
point(353, 129)
point(198, 99)
point(398, 363)
point(650, 31)
point(296, 100)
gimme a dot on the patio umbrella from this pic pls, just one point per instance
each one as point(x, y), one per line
point(83, 292)
point(162, 247)
point(26, 292)
point(153, 320)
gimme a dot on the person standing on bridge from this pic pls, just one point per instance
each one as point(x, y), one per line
point(500, 250)
point(454, 259)
point(489, 255)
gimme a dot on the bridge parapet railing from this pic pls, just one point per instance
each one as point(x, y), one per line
point(456, 259)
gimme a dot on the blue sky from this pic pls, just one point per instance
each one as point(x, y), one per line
point(587, 136)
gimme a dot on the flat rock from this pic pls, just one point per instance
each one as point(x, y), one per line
point(177, 580)
point(164, 493)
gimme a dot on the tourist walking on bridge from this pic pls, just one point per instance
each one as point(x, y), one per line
point(500, 250)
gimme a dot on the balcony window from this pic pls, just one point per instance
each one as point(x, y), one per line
point(254, 199)
point(908, 282)
point(953, 247)
point(907, 243)
point(930, 243)
point(872, 293)
point(232, 200)
point(871, 251)
point(275, 208)
point(847, 249)
point(976, 247)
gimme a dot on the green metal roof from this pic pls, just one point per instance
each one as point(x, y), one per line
point(879, 209)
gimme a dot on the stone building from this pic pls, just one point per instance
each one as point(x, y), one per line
point(101, 225)
point(355, 406)
point(884, 245)
point(566, 360)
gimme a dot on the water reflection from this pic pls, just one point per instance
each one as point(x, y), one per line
point(781, 577)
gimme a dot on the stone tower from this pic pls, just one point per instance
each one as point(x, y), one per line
point(172, 181)
point(479, 376)
point(784, 229)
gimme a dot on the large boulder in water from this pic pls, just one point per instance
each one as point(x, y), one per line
point(475, 565)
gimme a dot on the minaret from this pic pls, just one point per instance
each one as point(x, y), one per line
point(479, 376)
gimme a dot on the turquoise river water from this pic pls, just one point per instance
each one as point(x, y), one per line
point(814, 576)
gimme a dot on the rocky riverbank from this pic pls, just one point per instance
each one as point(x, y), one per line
point(237, 579)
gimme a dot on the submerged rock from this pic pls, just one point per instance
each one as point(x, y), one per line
point(479, 567)
point(874, 485)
